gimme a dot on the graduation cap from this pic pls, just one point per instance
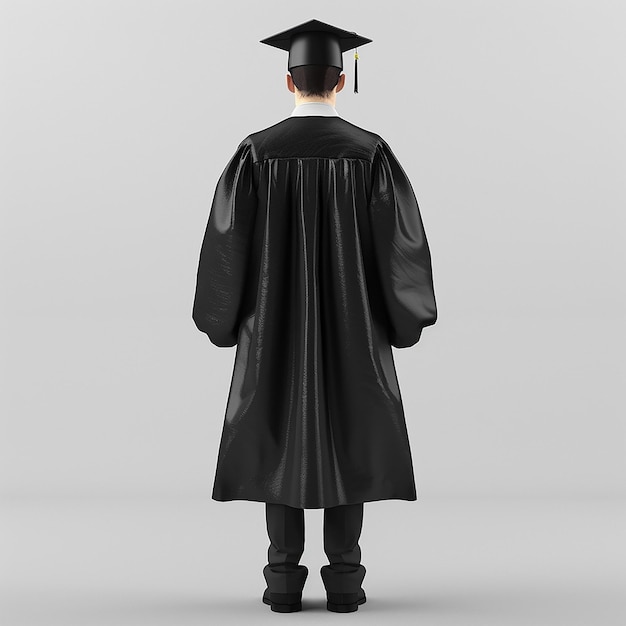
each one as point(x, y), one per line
point(317, 43)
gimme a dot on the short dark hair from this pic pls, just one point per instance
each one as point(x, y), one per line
point(315, 80)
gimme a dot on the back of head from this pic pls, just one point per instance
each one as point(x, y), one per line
point(315, 80)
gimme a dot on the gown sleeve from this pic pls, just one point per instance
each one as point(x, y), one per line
point(401, 249)
point(221, 276)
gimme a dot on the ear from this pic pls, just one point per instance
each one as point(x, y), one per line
point(290, 84)
point(340, 83)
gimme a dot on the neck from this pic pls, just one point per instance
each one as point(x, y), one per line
point(302, 99)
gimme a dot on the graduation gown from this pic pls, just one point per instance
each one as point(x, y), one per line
point(314, 263)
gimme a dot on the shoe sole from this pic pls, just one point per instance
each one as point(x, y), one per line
point(345, 608)
point(331, 606)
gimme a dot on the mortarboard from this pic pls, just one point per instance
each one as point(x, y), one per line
point(317, 43)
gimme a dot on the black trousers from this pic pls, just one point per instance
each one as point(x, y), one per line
point(342, 530)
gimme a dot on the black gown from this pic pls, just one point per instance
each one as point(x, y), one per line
point(314, 263)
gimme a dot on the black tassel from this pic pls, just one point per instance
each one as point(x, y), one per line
point(356, 73)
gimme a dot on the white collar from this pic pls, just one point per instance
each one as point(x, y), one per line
point(314, 108)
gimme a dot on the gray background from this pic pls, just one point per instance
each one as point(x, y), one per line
point(117, 119)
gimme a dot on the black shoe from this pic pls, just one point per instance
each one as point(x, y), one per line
point(344, 602)
point(283, 602)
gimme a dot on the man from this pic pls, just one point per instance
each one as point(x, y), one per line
point(314, 264)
